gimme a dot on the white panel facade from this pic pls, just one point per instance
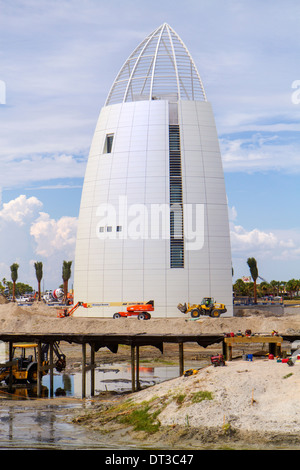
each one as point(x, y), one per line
point(123, 250)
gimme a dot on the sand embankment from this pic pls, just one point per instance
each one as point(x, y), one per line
point(40, 318)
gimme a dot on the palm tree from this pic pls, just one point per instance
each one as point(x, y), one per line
point(292, 286)
point(66, 274)
point(14, 276)
point(254, 274)
point(39, 275)
point(240, 288)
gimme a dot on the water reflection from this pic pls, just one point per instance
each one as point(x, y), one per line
point(29, 426)
point(27, 423)
point(109, 377)
point(113, 377)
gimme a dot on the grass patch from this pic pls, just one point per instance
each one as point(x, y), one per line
point(142, 419)
point(201, 395)
point(180, 398)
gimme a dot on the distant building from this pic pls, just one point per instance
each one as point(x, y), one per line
point(153, 221)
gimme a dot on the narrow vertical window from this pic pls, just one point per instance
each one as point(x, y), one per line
point(176, 205)
point(108, 143)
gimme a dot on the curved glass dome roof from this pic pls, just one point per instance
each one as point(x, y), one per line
point(161, 67)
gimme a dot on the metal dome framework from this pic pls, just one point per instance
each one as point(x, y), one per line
point(161, 67)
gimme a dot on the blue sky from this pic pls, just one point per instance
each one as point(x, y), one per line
point(58, 59)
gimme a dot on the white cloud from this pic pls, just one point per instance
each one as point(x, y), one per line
point(17, 172)
point(277, 251)
point(54, 236)
point(247, 241)
point(20, 210)
point(258, 153)
point(27, 234)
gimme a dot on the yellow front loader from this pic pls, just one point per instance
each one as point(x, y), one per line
point(25, 365)
point(207, 307)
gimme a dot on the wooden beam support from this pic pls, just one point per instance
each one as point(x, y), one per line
point(10, 381)
point(132, 368)
point(92, 370)
point(273, 341)
point(138, 385)
point(83, 379)
point(181, 359)
point(39, 371)
point(51, 370)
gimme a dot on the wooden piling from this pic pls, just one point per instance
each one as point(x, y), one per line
point(83, 379)
point(51, 369)
point(39, 370)
point(138, 385)
point(132, 368)
point(92, 369)
point(10, 382)
point(181, 359)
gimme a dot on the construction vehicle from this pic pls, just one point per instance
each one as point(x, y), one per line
point(207, 307)
point(189, 372)
point(139, 310)
point(218, 360)
point(25, 365)
point(58, 296)
point(67, 312)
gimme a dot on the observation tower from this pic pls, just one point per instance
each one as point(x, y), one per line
point(153, 222)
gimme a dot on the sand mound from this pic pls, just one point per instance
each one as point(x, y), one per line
point(41, 318)
point(257, 397)
point(3, 300)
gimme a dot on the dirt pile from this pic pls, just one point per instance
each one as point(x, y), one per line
point(257, 401)
point(242, 405)
point(41, 318)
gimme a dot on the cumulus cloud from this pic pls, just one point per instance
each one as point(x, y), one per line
point(27, 234)
point(20, 210)
point(53, 236)
point(276, 242)
point(243, 240)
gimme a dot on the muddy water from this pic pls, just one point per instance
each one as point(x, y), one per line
point(30, 423)
point(113, 377)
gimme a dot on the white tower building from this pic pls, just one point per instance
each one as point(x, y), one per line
point(153, 221)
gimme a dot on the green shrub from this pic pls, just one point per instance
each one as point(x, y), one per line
point(142, 420)
point(201, 395)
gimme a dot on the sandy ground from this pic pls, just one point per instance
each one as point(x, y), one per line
point(254, 402)
point(41, 318)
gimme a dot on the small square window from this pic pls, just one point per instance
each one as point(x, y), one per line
point(108, 143)
point(109, 229)
point(119, 228)
point(101, 229)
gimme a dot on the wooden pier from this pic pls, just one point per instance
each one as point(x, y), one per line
point(112, 341)
point(97, 341)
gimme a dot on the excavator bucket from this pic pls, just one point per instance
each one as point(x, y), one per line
point(182, 308)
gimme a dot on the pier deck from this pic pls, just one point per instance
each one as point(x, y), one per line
point(135, 341)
